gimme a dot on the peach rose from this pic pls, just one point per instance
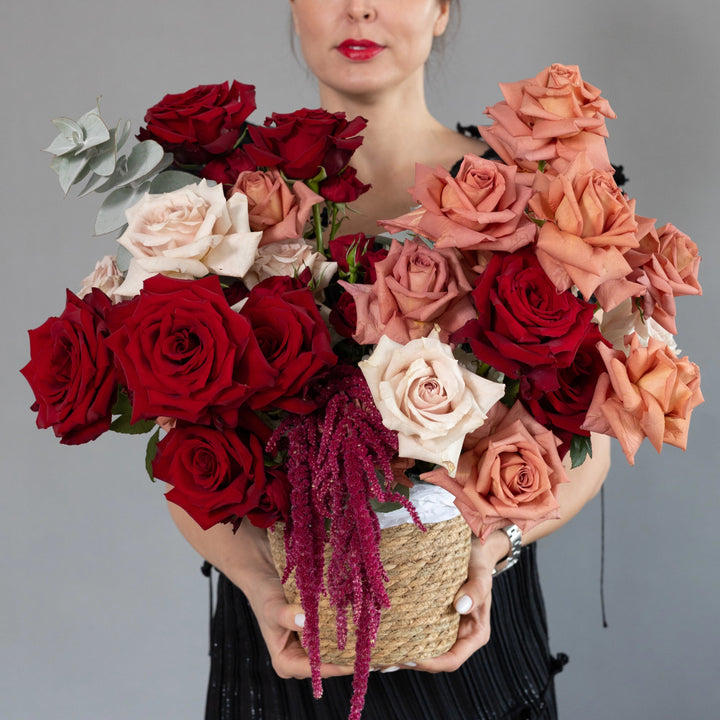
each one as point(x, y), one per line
point(666, 265)
point(551, 117)
point(277, 210)
point(105, 277)
point(415, 289)
point(187, 233)
point(651, 393)
point(589, 224)
point(291, 259)
point(483, 208)
point(509, 476)
point(427, 397)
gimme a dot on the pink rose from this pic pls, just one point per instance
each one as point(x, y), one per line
point(483, 208)
point(666, 265)
point(651, 393)
point(416, 288)
point(274, 208)
point(509, 476)
point(589, 225)
point(550, 118)
point(291, 259)
point(105, 277)
point(427, 397)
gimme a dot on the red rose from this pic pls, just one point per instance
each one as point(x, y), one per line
point(72, 371)
point(524, 325)
point(302, 142)
point(346, 250)
point(343, 316)
point(201, 123)
point(225, 170)
point(186, 354)
point(370, 259)
point(217, 475)
point(343, 187)
point(274, 504)
point(564, 410)
point(292, 337)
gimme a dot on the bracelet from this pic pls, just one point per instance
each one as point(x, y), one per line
point(515, 536)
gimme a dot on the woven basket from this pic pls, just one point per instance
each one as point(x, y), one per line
point(425, 571)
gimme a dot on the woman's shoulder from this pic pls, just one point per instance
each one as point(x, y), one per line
point(472, 143)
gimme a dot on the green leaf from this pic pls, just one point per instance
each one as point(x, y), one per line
point(122, 134)
point(103, 163)
point(123, 258)
point(111, 215)
point(143, 159)
point(69, 169)
point(95, 131)
point(512, 388)
point(580, 450)
point(170, 180)
point(150, 452)
point(71, 136)
point(122, 424)
point(385, 507)
point(61, 145)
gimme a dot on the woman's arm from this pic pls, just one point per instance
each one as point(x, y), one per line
point(245, 559)
point(475, 596)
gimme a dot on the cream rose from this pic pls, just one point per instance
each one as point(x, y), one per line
point(105, 277)
point(624, 320)
point(428, 398)
point(188, 233)
point(291, 259)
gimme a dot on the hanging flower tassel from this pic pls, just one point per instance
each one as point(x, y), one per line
point(337, 456)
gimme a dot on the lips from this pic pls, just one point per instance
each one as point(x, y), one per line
point(359, 50)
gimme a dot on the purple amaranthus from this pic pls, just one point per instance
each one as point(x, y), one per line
point(336, 457)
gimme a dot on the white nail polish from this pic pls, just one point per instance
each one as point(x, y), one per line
point(410, 664)
point(392, 668)
point(464, 604)
point(300, 619)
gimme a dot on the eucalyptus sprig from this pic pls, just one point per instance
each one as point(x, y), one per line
point(87, 149)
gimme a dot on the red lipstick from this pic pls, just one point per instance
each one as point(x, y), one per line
point(359, 50)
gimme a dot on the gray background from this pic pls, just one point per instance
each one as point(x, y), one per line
point(103, 611)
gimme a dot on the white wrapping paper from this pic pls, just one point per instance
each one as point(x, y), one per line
point(432, 503)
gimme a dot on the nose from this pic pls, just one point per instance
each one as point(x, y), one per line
point(361, 10)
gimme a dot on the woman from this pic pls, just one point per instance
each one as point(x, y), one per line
point(369, 58)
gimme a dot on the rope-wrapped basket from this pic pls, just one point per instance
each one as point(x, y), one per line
point(425, 571)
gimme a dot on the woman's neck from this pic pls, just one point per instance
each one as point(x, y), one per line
point(399, 124)
point(400, 133)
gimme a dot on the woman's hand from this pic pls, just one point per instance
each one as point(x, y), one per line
point(245, 559)
point(278, 620)
point(473, 602)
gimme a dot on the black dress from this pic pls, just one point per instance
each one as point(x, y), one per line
point(511, 678)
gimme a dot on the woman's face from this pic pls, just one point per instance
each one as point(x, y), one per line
point(360, 47)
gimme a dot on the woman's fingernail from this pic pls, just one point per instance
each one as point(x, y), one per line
point(464, 604)
point(410, 664)
point(392, 668)
point(300, 619)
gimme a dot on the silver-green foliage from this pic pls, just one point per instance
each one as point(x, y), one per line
point(86, 149)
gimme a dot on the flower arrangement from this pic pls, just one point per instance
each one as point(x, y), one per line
point(297, 373)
